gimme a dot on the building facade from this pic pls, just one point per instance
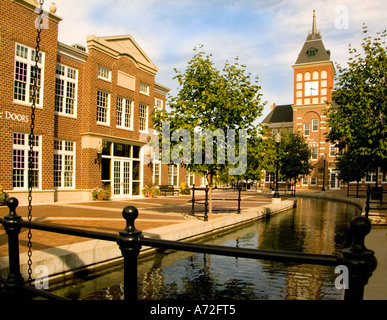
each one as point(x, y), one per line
point(313, 84)
point(93, 116)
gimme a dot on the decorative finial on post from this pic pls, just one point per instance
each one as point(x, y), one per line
point(361, 262)
point(12, 204)
point(130, 214)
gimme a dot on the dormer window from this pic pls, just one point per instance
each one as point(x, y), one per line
point(311, 52)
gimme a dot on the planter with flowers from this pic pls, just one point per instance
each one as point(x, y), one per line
point(184, 189)
point(3, 196)
point(101, 193)
point(151, 191)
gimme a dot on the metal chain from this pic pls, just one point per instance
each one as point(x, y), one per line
point(31, 161)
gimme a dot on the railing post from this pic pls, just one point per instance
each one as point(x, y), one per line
point(129, 243)
point(12, 228)
point(239, 199)
point(206, 205)
point(193, 200)
point(361, 262)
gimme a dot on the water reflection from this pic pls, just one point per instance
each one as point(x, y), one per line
point(314, 227)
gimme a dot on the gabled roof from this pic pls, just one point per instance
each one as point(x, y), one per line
point(282, 113)
point(125, 45)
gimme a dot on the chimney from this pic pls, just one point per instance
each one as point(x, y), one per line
point(272, 106)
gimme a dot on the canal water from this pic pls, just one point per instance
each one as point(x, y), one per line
point(315, 226)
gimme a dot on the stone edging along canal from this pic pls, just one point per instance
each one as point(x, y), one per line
point(65, 260)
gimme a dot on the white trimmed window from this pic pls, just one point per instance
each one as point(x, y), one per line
point(306, 129)
point(269, 177)
point(143, 117)
point(313, 181)
point(124, 113)
point(104, 73)
point(103, 107)
point(332, 150)
point(189, 178)
point(173, 175)
point(20, 150)
point(314, 153)
point(144, 88)
point(64, 155)
point(315, 125)
point(370, 177)
point(24, 75)
point(66, 87)
point(158, 104)
point(304, 181)
point(156, 173)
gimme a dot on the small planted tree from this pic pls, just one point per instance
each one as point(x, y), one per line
point(293, 156)
point(210, 119)
point(351, 168)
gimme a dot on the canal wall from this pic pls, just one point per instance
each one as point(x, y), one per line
point(64, 261)
point(335, 197)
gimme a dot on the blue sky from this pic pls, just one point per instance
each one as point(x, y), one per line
point(266, 35)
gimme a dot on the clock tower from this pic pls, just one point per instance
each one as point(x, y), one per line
point(313, 84)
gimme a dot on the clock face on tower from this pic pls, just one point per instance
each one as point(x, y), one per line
point(311, 88)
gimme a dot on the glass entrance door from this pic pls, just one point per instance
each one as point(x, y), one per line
point(121, 177)
point(334, 180)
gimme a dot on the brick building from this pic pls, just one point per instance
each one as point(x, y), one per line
point(93, 113)
point(313, 84)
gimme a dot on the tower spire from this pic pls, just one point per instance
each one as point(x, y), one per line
point(314, 26)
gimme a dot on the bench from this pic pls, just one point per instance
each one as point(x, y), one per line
point(168, 188)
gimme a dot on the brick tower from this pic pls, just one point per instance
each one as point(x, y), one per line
point(313, 84)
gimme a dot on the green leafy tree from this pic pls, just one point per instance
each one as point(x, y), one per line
point(351, 168)
point(211, 101)
point(357, 114)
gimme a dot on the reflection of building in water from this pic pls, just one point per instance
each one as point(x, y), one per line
point(304, 281)
point(315, 234)
point(151, 285)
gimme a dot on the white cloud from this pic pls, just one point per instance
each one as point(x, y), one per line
point(265, 35)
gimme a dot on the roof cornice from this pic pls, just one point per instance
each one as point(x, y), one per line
point(72, 53)
point(32, 5)
point(105, 45)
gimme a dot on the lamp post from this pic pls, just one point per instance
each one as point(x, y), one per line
point(325, 159)
point(99, 154)
point(277, 139)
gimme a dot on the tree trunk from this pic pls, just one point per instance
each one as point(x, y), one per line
point(209, 180)
point(295, 181)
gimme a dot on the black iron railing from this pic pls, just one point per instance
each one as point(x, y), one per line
point(205, 201)
point(360, 261)
point(374, 195)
